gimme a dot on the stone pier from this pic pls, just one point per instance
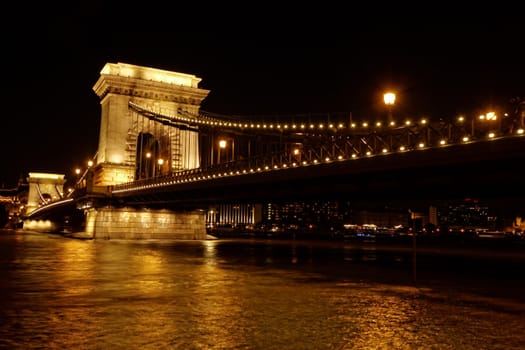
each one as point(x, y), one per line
point(131, 223)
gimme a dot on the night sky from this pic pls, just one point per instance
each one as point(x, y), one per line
point(277, 66)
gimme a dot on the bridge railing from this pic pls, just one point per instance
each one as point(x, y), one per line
point(315, 148)
point(235, 167)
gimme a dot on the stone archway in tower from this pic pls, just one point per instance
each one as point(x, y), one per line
point(147, 156)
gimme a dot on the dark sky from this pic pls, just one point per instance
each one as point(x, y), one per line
point(276, 65)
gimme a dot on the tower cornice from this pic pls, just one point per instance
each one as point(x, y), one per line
point(134, 81)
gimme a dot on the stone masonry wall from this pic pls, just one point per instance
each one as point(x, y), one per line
point(131, 223)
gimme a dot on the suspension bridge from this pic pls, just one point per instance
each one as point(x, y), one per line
point(158, 150)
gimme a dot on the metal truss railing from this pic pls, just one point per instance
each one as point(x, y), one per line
point(310, 155)
point(305, 144)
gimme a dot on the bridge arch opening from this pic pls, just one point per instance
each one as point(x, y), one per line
point(152, 156)
point(149, 159)
point(45, 198)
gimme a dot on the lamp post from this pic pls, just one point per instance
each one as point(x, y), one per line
point(89, 176)
point(77, 173)
point(77, 178)
point(147, 166)
point(487, 122)
point(389, 98)
point(160, 161)
point(222, 145)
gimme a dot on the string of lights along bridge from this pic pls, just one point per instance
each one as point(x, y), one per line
point(310, 140)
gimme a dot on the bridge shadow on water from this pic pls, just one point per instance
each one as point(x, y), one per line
point(486, 267)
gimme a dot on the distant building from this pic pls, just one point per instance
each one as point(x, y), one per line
point(331, 214)
point(469, 215)
point(12, 203)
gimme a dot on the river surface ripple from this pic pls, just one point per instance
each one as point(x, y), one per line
point(63, 293)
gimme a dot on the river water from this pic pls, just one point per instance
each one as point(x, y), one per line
point(64, 293)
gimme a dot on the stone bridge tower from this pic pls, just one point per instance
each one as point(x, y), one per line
point(133, 146)
point(44, 188)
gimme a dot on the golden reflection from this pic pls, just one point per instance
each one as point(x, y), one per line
point(76, 267)
point(220, 302)
point(387, 319)
point(40, 225)
point(148, 263)
point(210, 252)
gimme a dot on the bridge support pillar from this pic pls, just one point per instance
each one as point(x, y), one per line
point(132, 223)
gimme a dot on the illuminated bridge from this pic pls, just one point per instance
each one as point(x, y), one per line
point(294, 159)
point(158, 151)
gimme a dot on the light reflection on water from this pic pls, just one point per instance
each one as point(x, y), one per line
point(61, 293)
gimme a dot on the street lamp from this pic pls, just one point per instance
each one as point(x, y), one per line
point(487, 123)
point(161, 162)
point(147, 166)
point(222, 145)
point(389, 98)
point(77, 177)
